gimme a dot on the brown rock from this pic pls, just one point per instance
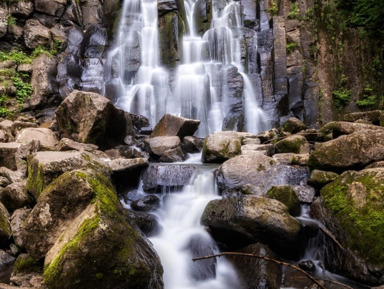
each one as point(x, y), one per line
point(7, 155)
point(171, 125)
point(36, 34)
point(46, 137)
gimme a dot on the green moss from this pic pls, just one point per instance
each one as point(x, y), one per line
point(294, 11)
point(290, 145)
point(287, 196)
point(27, 264)
point(4, 225)
point(35, 182)
point(361, 212)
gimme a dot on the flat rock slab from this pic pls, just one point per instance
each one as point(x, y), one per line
point(45, 136)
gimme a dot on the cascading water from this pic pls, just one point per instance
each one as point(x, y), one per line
point(183, 238)
point(211, 84)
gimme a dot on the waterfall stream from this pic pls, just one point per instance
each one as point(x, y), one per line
point(210, 84)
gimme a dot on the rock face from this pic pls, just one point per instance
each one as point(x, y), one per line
point(44, 167)
point(167, 177)
point(353, 151)
point(286, 195)
point(352, 209)
point(170, 125)
point(91, 118)
point(36, 34)
point(241, 221)
point(221, 146)
point(258, 170)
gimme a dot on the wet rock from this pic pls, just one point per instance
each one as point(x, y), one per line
point(46, 137)
point(3, 19)
point(21, 9)
point(170, 125)
point(286, 195)
point(44, 167)
point(92, 13)
point(91, 118)
point(36, 34)
point(14, 196)
point(307, 265)
point(267, 275)
point(247, 189)
point(43, 80)
point(17, 220)
point(258, 170)
point(291, 159)
point(293, 125)
point(240, 221)
point(338, 128)
point(164, 6)
point(320, 178)
point(352, 151)
point(121, 168)
point(146, 204)
point(221, 146)
point(293, 144)
point(306, 194)
point(191, 144)
point(7, 155)
point(93, 229)
point(202, 245)
point(94, 41)
point(146, 222)
point(351, 209)
point(159, 145)
point(167, 177)
point(6, 264)
point(54, 8)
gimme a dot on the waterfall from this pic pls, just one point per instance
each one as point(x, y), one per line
point(210, 83)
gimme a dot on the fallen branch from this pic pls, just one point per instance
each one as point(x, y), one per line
point(330, 235)
point(264, 258)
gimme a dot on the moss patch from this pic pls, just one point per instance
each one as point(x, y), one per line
point(287, 196)
point(356, 201)
point(26, 264)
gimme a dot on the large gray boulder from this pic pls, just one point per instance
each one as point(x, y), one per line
point(240, 221)
point(36, 34)
point(353, 151)
point(338, 128)
point(258, 170)
point(44, 167)
point(170, 125)
point(17, 220)
point(91, 118)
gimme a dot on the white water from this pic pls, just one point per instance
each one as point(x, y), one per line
point(180, 219)
point(200, 90)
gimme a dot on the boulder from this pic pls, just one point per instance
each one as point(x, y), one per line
point(164, 178)
point(18, 125)
point(146, 204)
point(21, 9)
point(97, 247)
point(221, 146)
point(267, 274)
point(286, 195)
point(17, 220)
point(320, 178)
point(5, 228)
point(121, 168)
point(353, 151)
point(266, 149)
point(7, 155)
point(6, 264)
point(338, 128)
point(91, 118)
point(43, 79)
point(170, 125)
point(11, 176)
point(293, 125)
point(53, 8)
point(46, 137)
point(159, 145)
point(14, 196)
point(375, 116)
point(291, 159)
point(173, 155)
point(147, 223)
point(191, 144)
point(66, 144)
point(258, 170)
point(241, 221)
point(305, 193)
point(202, 16)
point(36, 34)
point(44, 167)
point(293, 144)
point(351, 208)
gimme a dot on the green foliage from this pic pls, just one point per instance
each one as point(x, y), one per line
point(369, 99)
point(366, 14)
point(18, 56)
point(294, 11)
point(274, 9)
point(341, 97)
point(24, 90)
point(11, 20)
point(47, 51)
point(4, 112)
point(291, 46)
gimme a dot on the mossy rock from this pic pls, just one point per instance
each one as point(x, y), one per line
point(27, 264)
point(5, 228)
point(293, 144)
point(292, 125)
point(286, 195)
point(101, 250)
point(356, 202)
point(221, 146)
point(320, 178)
point(44, 167)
